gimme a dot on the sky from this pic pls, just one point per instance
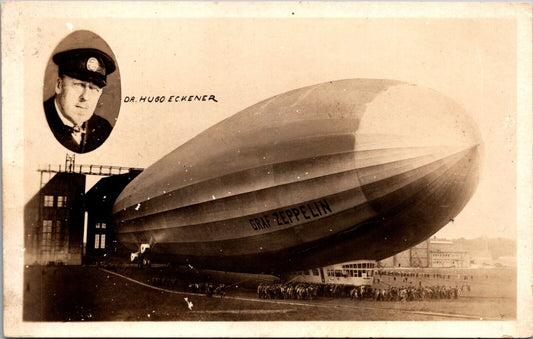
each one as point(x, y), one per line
point(245, 60)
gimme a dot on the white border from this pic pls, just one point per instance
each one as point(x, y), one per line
point(14, 15)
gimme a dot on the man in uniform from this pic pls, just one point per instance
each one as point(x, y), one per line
point(82, 75)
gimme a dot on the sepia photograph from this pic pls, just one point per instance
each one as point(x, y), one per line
point(79, 119)
point(296, 169)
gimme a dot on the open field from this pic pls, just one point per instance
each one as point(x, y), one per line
point(82, 293)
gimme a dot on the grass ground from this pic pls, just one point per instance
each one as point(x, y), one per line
point(76, 293)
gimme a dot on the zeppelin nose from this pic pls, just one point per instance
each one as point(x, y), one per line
point(433, 152)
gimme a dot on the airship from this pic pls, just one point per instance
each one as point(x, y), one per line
point(340, 171)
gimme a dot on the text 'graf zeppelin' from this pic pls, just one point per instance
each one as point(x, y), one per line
point(292, 215)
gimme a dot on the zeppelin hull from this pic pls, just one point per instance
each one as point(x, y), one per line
point(346, 170)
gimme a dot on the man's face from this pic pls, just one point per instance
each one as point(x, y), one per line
point(76, 98)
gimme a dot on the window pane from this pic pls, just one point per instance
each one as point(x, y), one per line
point(47, 226)
point(103, 225)
point(97, 225)
point(102, 241)
point(58, 226)
point(97, 241)
point(61, 201)
point(48, 201)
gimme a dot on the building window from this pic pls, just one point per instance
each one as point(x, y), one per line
point(59, 232)
point(47, 233)
point(102, 241)
point(47, 226)
point(100, 225)
point(46, 238)
point(97, 241)
point(58, 226)
point(48, 201)
point(61, 201)
point(57, 244)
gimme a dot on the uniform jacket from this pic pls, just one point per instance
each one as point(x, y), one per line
point(97, 130)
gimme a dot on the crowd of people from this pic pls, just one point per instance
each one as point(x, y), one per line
point(302, 291)
point(409, 293)
point(287, 291)
point(164, 282)
point(309, 291)
point(206, 288)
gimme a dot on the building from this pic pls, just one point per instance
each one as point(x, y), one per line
point(416, 256)
point(53, 221)
point(61, 215)
point(445, 253)
point(432, 252)
point(99, 202)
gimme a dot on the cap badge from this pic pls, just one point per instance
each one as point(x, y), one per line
point(92, 64)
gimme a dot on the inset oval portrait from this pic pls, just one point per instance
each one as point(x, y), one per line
point(81, 91)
